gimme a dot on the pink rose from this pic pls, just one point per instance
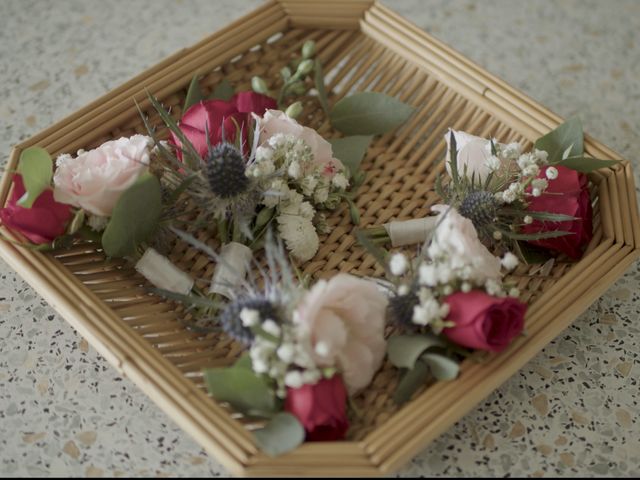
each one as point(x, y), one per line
point(320, 408)
point(218, 116)
point(568, 194)
point(342, 321)
point(45, 221)
point(484, 322)
point(94, 180)
point(275, 121)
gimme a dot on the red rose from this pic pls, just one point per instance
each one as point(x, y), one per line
point(43, 222)
point(218, 116)
point(484, 322)
point(569, 195)
point(320, 408)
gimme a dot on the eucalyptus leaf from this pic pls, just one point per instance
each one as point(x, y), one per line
point(369, 113)
point(282, 434)
point(410, 382)
point(586, 164)
point(442, 368)
point(194, 94)
point(568, 136)
point(322, 91)
point(223, 91)
point(351, 150)
point(241, 387)
point(36, 169)
point(405, 350)
point(135, 217)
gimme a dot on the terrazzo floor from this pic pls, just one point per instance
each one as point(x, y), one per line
point(571, 411)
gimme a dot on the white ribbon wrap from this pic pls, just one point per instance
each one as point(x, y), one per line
point(411, 232)
point(232, 268)
point(163, 274)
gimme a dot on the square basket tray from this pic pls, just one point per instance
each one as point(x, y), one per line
point(363, 46)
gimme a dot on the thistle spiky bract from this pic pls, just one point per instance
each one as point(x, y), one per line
point(225, 171)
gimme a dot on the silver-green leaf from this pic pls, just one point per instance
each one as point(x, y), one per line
point(410, 382)
point(369, 113)
point(241, 387)
point(586, 164)
point(282, 434)
point(441, 367)
point(351, 150)
point(405, 350)
point(568, 137)
point(36, 169)
point(135, 217)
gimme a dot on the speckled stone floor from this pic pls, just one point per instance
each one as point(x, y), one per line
point(573, 410)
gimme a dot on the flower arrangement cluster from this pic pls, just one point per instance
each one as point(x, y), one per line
point(234, 165)
point(307, 351)
point(242, 167)
point(517, 201)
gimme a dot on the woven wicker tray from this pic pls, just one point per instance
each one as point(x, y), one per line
point(364, 46)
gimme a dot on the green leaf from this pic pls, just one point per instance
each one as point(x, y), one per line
point(354, 213)
point(442, 368)
point(190, 154)
point(405, 350)
point(549, 217)
point(223, 91)
point(380, 254)
point(586, 164)
point(536, 236)
point(351, 150)
point(76, 222)
point(453, 158)
point(545, 216)
point(135, 217)
point(282, 434)
point(322, 91)
point(569, 135)
point(369, 113)
point(180, 189)
point(189, 300)
point(194, 94)
point(241, 387)
point(36, 169)
point(532, 255)
point(410, 382)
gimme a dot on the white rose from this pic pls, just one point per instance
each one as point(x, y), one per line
point(274, 123)
point(94, 180)
point(456, 238)
point(474, 154)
